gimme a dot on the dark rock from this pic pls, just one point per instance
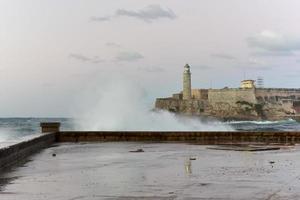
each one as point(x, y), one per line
point(137, 151)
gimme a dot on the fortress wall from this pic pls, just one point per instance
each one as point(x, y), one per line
point(170, 104)
point(230, 96)
point(192, 106)
point(177, 96)
point(274, 94)
point(200, 94)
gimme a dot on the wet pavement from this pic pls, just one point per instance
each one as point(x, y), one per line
point(85, 171)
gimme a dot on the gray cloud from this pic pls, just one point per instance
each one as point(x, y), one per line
point(128, 56)
point(112, 44)
point(96, 60)
point(269, 43)
point(255, 64)
point(148, 14)
point(223, 56)
point(100, 19)
point(83, 58)
point(79, 57)
point(272, 53)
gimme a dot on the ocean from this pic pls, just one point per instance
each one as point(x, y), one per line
point(18, 128)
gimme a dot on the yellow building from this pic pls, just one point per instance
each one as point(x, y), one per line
point(247, 84)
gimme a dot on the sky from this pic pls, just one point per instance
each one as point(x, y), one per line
point(53, 51)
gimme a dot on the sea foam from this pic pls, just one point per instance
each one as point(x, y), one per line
point(121, 105)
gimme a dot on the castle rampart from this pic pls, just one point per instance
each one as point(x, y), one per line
point(231, 96)
point(189, 107)
point(277, 94)
point(245, 103)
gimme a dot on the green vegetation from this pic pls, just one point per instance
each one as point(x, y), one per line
point(258, 108)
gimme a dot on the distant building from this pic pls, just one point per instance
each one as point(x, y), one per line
point(248, 102)
point(247, 84)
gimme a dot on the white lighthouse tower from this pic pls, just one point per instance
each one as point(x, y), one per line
point(187, 90)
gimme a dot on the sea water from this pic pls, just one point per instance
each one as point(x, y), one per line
point(281, 125)
point(17, 128)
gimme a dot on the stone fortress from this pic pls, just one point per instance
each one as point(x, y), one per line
point(245, 103)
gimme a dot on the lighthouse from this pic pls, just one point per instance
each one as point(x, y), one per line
point(187, 90)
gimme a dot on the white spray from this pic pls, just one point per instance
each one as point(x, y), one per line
point(121, 105)
point(6, 134)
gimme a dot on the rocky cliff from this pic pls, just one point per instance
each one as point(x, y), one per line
point(240, 110)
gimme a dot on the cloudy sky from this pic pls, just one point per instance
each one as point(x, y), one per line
point(51, 51)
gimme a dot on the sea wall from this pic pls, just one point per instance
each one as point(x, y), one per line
point(11, 154)
point(203, 137)
point(15, 153)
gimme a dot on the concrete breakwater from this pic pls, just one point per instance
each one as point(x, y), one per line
point(10, 154)
point(203, 137)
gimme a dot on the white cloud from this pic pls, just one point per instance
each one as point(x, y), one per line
point(83, 58)
point(268, 43)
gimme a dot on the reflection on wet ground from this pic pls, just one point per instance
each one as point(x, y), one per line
point(5, 181)
point(188, 166)
point(85, 171)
